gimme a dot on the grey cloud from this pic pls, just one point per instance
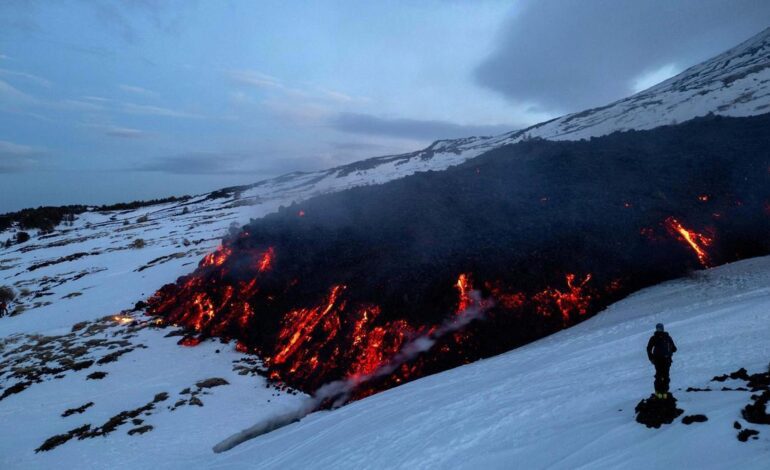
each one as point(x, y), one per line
point(158, 111)
point(255, 79)
point(118, 131)
point(14, 95)
point(261, 163)
point(355, 123)
point(137, 90)
point(17, 157)
point(40, 81)
point(356, 146)
point(125, 132)
point(128, 17)
point(569, 55)
point(196, 163)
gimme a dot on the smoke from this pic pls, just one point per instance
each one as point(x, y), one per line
point(339, 392)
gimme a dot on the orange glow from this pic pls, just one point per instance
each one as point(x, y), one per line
point(189, 341)
point(300, 323)
point(217, 258)
point(123, 319)
point(696, 241)
point(339, 335)
point(267, 259)
point(463, 285)
point(573, 300)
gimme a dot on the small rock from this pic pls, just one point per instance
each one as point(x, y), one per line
point(694, 419)
point(140, 430)
point(744, 435)
point(211, 383)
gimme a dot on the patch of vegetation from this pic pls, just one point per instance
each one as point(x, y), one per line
point(56, 441)
point(15, 388)
point(63, 259)
point(78, 410)
point(211, 383)
point(44, 218)
point(140, 430)
point(113, 356)
point(138, 204)
point(138, 243)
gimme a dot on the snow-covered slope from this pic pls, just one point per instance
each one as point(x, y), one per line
point(566, 401)
point(734, 83)
point(563, 402)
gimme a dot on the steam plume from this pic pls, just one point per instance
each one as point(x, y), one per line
point(339, 391)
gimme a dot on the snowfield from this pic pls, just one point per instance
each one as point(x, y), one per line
point(562, 402)
point(566, 401)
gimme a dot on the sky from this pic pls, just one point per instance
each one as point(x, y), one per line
point(105, 101)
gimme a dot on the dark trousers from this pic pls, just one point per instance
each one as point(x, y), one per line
point(662, 379)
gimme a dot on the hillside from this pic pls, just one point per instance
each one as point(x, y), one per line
point(89, 380)
point(549, 232)
point(566, 401)
point(563, 402)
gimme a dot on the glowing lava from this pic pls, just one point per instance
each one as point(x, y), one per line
point(696, 241)
point(238, 293)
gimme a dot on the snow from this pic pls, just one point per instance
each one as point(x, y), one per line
point(180, 438)
point(563, 402)
point(553, 403)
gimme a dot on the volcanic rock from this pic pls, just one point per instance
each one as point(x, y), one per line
point(689, 419)
point(654, 412)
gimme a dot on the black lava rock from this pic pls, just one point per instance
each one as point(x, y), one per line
point(744, 435)
point(689, 419)
point(654, 412)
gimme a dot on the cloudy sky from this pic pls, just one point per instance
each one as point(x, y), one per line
point(104, 101)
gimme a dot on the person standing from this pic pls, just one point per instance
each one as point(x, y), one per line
point(660, 351)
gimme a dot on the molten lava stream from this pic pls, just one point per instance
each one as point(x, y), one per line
point(696, 241)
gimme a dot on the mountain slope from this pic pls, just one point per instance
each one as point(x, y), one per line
point(734, 83)
point(565, 401)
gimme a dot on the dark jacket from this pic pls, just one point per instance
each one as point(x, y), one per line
point(660, 346)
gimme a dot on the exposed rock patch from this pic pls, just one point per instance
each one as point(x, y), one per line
point(78, 410)
point(654, 412)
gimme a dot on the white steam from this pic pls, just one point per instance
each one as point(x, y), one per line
point(339, 391)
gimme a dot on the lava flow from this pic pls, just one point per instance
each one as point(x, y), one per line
point(311, 333)
point(239, 293)
point(698, 242)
